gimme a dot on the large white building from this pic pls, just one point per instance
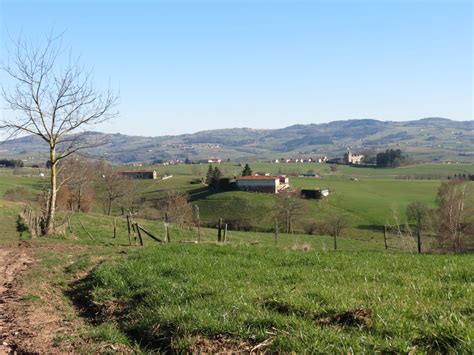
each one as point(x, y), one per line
point(269, 184)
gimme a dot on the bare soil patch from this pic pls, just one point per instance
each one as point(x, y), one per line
point(13, 261)
point(33, 318)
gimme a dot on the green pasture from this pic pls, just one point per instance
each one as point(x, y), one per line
point(418, 171)
point(101, 228)
point(180, 298)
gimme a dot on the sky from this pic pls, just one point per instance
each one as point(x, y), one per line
point(186, 66)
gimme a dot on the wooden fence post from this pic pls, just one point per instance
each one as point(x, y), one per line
point(276, 232)
point(219, 230)
point(115, 228)
point(418, 234)
point(147, 232)
point(135, 233)
point(129, 231)
point(167, 229)
point(197, 217)
point(225, 232)
point(85, 230)
point(385, 236)
point(139, 234)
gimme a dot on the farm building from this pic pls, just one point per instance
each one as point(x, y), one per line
point(309, 175)
point(350, 158)
point(139, 174)
point(315, 193)
point(269, 184)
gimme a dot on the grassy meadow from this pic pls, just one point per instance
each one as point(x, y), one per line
point(180, 298)
point(371, 197)
point(248, 293)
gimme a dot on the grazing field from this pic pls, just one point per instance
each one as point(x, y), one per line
point(375, 198)
point(101, 228)
point(369, 202)
point(418, 171)
point(204, 298)
point(248, 293)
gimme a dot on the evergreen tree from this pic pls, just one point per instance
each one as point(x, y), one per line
point(217, 174)
point(247, 171)
point(209, 175)
point(215, 177)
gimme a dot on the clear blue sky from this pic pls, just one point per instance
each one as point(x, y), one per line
point(185, 66)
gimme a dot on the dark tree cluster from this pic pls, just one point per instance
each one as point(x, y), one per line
point(391, 158)
point(11, 163)
point(213, 177)
point(462, 177)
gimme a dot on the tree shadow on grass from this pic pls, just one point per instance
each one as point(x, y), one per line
point(118, 312)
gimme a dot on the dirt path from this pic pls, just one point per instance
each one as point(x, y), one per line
point(13, 261)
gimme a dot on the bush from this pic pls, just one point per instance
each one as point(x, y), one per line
point(311, 228)
point(17, 194)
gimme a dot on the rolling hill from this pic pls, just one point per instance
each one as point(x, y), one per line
point(427, 139)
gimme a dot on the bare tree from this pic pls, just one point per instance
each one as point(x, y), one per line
point(75, 184)
point(55, 101)
point(288, 208)
point(336, 223)
point(418, 213)
point(111, 186)
point(455, 215)
point(175, 205)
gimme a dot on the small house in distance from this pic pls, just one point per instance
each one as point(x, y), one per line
point(268, 184)
point(314, 175)
point(139, 174)
point(350, 158)
point(315, 193)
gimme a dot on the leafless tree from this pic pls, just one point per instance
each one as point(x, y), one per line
point(53, 99)
point(455, 214)
point(76, 176)
point(418, 213)
point(176, 206)
point(336, 223)
point(111, 186)
point(288, 208)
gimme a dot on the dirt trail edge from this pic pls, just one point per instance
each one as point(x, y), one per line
point(13, 261)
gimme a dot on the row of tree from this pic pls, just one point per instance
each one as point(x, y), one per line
point(83, 183)
point(463, 177)
point(391, 158)
point(12, 163)
point(451, 222)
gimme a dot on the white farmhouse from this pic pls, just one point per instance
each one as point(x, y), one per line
point(269, 184)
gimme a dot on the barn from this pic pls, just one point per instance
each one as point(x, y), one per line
point(262, 183)
point(139, 174)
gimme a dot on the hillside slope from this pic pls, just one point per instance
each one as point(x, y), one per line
point(429, 139)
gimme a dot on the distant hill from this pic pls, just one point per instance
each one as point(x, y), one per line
point(427, 139)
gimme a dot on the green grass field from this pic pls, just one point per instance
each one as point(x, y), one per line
point(247, 293)
point(375, 199)
point(180, 298)
point(421, 171)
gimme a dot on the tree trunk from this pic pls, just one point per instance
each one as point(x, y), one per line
point(418, 235)
point(79, 199)
point(51, 210)
point(109, 207)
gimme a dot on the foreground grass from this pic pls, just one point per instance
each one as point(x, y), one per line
point(174, 296)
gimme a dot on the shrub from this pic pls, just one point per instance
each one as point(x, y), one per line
point(17, 194)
